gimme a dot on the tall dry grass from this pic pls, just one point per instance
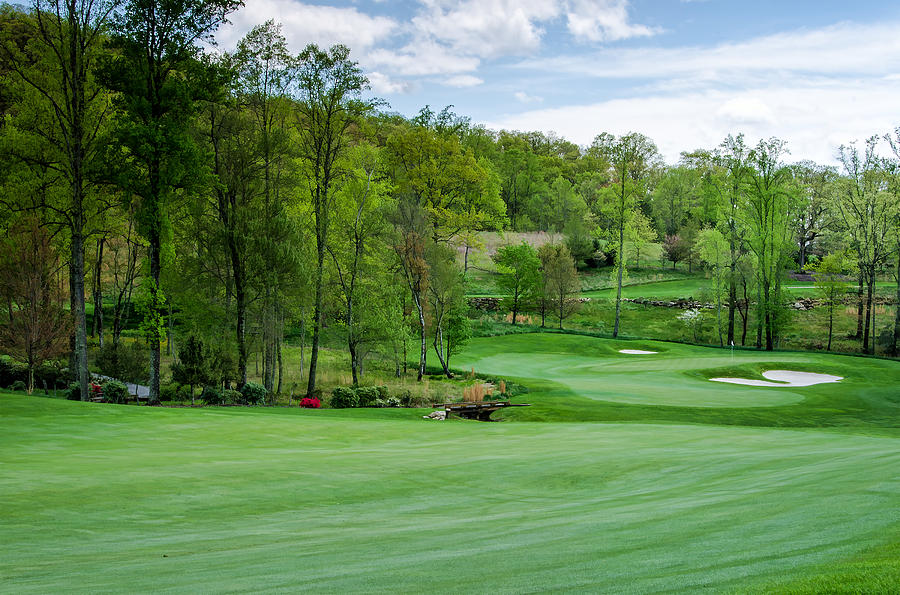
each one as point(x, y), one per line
point(474, 393)
point(520, 319)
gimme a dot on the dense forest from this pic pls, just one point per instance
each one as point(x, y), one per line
point(220, 202)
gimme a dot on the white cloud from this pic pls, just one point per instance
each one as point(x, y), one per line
point(463, 80)
point(486, 28)
point(814, 119)
point(524, 97)
point(307, 23)
point(443, 37)
point(746, 110)
point(603, 20)
point(420, 59)
point(816, 89)
point(384, 85)
point(840, 49)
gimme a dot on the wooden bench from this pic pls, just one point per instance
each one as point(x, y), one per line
point(480, 410)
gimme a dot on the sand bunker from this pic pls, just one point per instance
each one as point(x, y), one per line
point(636, 352)
point(784, 378)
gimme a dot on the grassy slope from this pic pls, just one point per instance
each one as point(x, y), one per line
point(98, 498)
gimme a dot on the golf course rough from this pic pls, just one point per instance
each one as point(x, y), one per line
point(108, 498)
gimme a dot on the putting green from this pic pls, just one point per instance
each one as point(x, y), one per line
point(595, 369)
point(106, 498)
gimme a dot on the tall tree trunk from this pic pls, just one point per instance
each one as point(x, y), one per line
point(759, 317)
point(732, 292)
point(241, 319)
point(156, 339)
point(351, 338)
point(170, 341)
point(155, 241)
point(98, 292)
point(515, 309)
point(621, 258)
point(870, 283)
point(859, 304)
point(302, 340)
point(423, 347)
point(439, 349)
point(76, 286)
point(562, 307)
point(745, 314)
point(317, 309)
point(30, 387)
point(280, 370)
point(351, 346)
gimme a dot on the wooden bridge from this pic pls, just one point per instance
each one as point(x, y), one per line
point(480, 410)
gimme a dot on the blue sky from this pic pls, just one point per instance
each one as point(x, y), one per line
point(683, 72)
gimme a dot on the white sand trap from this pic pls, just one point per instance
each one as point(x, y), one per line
point(784, 378)
point(636, 352)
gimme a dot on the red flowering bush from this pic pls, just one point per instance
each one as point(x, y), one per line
point(310, 403)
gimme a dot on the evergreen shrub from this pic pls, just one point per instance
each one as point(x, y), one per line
point(211, 396)
point(115, 392)
point(253, 393)
point(343, 397)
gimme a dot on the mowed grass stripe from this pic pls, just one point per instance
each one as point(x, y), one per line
point(95, 496)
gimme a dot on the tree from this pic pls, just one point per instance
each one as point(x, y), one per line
point(892, 167)
point(674, 249)
point(726, 177)
point(639, 234)
point(521, 180)
point(457, 191)
point(713, 250)
point(770, 234)
point(123, 268)
point(192, 367)
point(445, 292)
point(868, 214)
point(265, 73)
point(811, 213)
point(673, 198)
point(469, 240)
point(412, 233)
point(632, 158)
point(36, 327)
point(158, 80)
point(65, 43)
point(560, 280)
point(457, 332)
point(330, 85)
point(831, 285)
point(520, 275)
point(563, 206)
point(359, 214)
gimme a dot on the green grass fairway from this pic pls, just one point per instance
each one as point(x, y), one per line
point(696, 287)
point(657, 290)
point(100, 498)
point(579, 378)
point(676, 375)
